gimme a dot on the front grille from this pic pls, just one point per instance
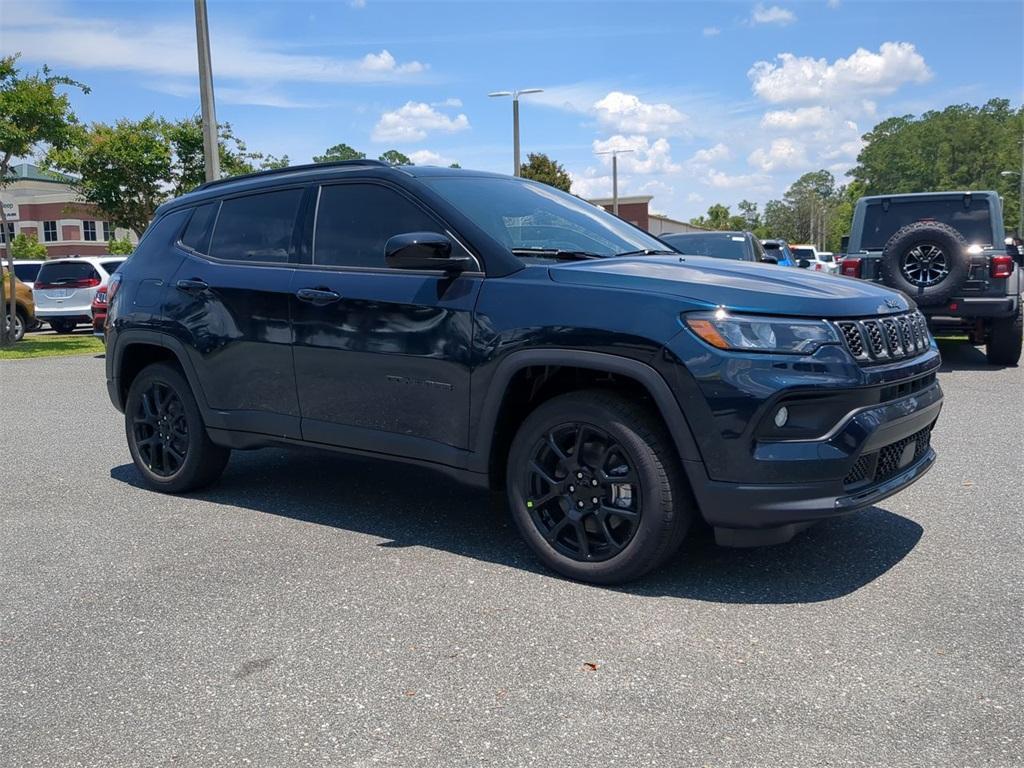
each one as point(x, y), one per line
point(878, 466)
point(879, 340)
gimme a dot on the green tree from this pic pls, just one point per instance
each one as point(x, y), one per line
point(540, 167)
point(454, 165)
point(120, 247)
point(27, 247)
point(339, 152)
point(33, 114)
point(719, 218)
point(394, 157)
point(961, 147)
point(189, 164)
point(750, 214)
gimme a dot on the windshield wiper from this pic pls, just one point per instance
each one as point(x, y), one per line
point(647, 252)
point(557, 253)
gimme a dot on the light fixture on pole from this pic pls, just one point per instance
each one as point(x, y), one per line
point(211, 153)
point(615, 175)
point(515, 119)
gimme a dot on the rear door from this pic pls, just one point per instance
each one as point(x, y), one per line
point(228, 303)
point(382, 356)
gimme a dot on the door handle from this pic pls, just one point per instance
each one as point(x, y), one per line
point(319, 297)
point(192, 286)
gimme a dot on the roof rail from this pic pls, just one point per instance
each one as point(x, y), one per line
point(289, 168)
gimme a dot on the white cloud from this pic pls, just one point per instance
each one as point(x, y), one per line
point(87, 43)
point(711, 154)
point(748, 182)
point(429, 157)
point(413, 121)
point(647, 157)
point(772, 15)
point(711, 32)
point(357, 3)
point(694, 197)
point(449, 102)
point(834, 4)
point(797, 119)
point(591, 185)
point(793, 78)
point(781, 154)
point(626, 113)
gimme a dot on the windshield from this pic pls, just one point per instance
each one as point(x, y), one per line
point(719, 245)
point(804, 253)
point(969, 216)
point(527, 216)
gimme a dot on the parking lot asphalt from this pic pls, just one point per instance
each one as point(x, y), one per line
point(313, 609)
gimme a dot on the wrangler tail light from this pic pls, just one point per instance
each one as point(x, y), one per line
point(1001, 266)
point(850, 267)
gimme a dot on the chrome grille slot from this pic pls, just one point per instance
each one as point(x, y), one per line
point(878, 340)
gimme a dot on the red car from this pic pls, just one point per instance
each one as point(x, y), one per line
point(99, 312)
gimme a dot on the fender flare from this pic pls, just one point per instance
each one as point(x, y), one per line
point(137, 336)
point(642, 373)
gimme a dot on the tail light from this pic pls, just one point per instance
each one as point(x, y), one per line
point(850, 267)
point(112, 286)
point(82, 282)
point(1001, 266)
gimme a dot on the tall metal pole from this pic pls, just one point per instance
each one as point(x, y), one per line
point(211, 153)
point(515, 134)
point(615, 183)
point(1020, 195)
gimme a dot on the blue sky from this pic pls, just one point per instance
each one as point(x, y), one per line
point(720, 101)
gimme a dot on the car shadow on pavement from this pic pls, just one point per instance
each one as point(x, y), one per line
point(415, 507)
point(960, 355)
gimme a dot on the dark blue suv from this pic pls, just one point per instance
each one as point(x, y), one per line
point(515, 337)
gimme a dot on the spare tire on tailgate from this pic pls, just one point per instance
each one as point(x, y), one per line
point(926, 260)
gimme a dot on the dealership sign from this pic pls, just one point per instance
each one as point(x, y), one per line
point(10, 210)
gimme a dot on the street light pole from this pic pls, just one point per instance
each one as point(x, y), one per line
point(211, 153)
point(615, 175)
point(515, 121)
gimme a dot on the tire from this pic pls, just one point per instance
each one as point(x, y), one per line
point(926, 260)
point(62, 325)
point(1005, 340)
point(19, 325)
point(162, 420)
point(615, 433)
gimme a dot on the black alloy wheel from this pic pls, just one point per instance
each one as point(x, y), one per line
point(925, 264)
point(161, 430)
point(583, 493)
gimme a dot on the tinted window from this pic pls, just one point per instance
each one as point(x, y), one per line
point(804, 253)
point(972, 221)
point(111, 266)
point(716, 245)
point(197, 233)
point(528, 215)
point(27, 272)
point(354, 221)
point(65, 272)
point(257, 227)
point(156, 240)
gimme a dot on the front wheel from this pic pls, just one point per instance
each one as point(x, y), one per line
point(1005, 340)
point(596, 489)
point(18, 328)
point(166, 434)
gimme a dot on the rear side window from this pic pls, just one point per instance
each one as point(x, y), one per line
point(354, 221)
point(197, 233)
point(60, 272)
point(257, 228)
point(972, 219)
point(27, 272)
point(111, 266)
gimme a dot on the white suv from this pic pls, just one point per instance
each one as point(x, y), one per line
point(64, 289)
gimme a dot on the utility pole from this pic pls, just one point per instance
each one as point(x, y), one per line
point(615, 175)
point(211, 150)
point(515, 121)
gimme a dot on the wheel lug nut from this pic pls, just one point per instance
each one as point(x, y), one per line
point(579, 475)
point(593, 482)
point(572, 489)
point(579, 504)
point(594, 500)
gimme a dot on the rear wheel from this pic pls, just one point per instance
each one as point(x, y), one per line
point(1005, 340)
point(63, 325)
point(166, 434)
point(596, 489)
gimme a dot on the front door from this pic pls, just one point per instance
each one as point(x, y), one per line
point(382, 356)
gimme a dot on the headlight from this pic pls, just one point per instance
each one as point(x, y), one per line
point(752, 333)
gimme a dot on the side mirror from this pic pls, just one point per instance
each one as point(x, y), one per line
point(423, 250)
point(769, 260)
point(803, 264)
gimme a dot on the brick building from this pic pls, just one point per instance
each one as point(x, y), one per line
point(636, 210)
point(46, 206)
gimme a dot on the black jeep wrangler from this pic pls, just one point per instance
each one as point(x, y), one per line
point(515, 337)
point(948, 252)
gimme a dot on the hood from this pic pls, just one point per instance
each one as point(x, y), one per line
point(738, 286)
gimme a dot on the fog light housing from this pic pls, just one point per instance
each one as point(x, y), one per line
point(781, 417)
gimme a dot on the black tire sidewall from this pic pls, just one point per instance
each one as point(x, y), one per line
point(192, 469)
point(1005, 341)
point(642, 550)
point(945, 237)
point(62, 326)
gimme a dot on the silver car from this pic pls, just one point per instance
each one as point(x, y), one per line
point(64, 289)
